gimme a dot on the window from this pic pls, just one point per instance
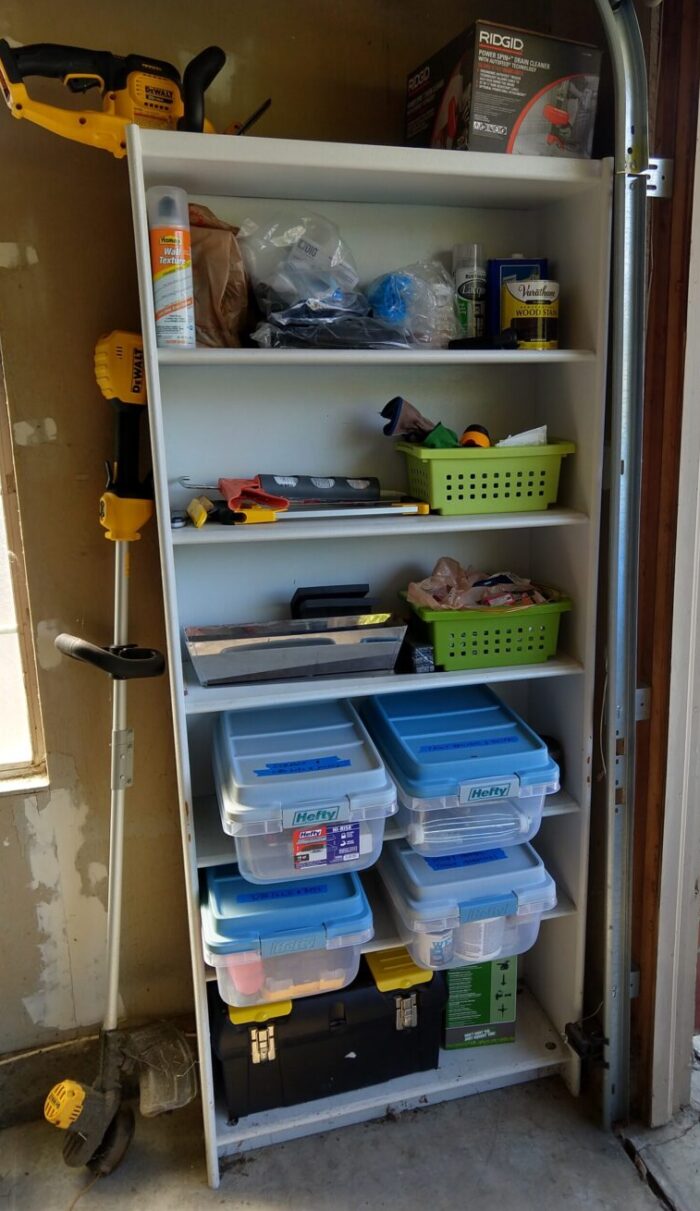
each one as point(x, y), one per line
point(21, 734)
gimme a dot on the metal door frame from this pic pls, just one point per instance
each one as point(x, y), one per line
point(626, 411)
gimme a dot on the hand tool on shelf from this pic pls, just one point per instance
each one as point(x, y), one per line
point(134, 89)
point(251, 501)
point(279, 491)
point(98, 1125)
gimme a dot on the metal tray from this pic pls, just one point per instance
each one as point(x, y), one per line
point(295, 648)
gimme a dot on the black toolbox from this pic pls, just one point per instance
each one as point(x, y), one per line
point(331, 1043)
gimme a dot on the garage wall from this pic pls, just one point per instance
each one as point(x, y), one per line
point(336, 70)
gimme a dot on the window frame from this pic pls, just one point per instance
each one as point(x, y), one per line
point(35, 767)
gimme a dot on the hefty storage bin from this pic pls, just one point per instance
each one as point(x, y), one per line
point(502, 479)
point(302, 789)
point(283, 941)
point(490, 638)
point(470, 773)
point(467, 908)
point(279, 1055)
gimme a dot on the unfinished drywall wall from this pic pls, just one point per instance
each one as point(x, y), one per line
point(336, 70)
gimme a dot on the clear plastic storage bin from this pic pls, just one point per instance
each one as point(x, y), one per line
point(468, 908)
point(302, 789)
point(470, 773)
point(284, 941)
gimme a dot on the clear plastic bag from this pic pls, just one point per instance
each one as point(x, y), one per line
point(419, 298)
point(296, 260)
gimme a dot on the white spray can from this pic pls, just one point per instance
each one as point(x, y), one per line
point(171, 266)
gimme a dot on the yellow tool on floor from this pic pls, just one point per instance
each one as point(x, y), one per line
point(135, 89)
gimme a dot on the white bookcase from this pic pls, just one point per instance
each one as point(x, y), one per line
point(242, 412)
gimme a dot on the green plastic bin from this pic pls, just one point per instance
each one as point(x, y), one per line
point(502, 479)
point(492, 638)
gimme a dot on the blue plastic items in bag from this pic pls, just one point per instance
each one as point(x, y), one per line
point(418, 298)
point(390, 297)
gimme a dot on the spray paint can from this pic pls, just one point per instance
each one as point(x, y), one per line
point(532, 310)
point(469, 273)
point(171, 267)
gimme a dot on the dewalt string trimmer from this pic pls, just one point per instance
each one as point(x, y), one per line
point(135, 89)
point(98, 1124)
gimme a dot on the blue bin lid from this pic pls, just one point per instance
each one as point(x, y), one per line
point(269, 763)
point(437, 893)
point(282, 918)
point(435, 740)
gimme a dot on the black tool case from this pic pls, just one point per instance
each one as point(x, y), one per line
point(326, 1044)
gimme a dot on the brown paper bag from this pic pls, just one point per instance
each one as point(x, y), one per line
point(220, 284)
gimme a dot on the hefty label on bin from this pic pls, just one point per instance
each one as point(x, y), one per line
point(291, 944)
point(493, 788)
point(295, 817)
point(325, 845)
point(309, 765)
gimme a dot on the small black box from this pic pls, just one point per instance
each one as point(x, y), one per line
point(327, 1044)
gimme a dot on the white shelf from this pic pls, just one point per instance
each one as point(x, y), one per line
point(560, 804)
point(393, 205)
point(372, 527)
point(564, 907)
point(203, 700)
point(373, 357)
point(538, 1051)
point(353, 172)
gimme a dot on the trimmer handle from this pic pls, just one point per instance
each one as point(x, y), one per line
point(79, 68)
point(198, 75)
point(55, 62)
point(122, 662)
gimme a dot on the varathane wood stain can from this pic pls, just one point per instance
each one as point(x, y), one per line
point(532, 309)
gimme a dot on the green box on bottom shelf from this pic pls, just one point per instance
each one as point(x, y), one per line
point(481, 1004)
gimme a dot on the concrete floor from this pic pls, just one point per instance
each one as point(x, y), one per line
point(523, 1149)
point(670, 1156)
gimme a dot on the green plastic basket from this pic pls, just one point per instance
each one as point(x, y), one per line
point(502, 479)
point(480, 639)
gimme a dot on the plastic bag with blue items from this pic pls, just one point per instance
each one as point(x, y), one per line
point(419, 299)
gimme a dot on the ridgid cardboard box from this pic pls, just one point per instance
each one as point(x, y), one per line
point(495, 88)
point(481, 1004)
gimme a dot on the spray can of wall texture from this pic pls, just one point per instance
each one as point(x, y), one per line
point(171, 266)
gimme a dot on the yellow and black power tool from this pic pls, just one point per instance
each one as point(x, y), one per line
point(135, 89)
point(127, 503)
